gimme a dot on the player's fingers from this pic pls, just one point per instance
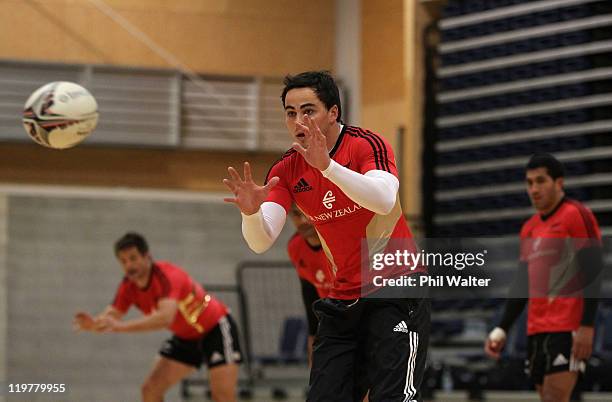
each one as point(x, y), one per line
point(272, 182)
point(323, 138)
point(309, 137)
point(233, 188)
point(581, 352)
point(299, 148)
point(231, 200)
point(576, 350)
point(82, 318)
point(247, 172)
point(313, 129)
point(313, 126)
point(487, 348)
point(309, 122)
point(304, 128)
point(316, 136)
point(102, 327)
point(234, 174)
point(320, 137)
point(492, 349)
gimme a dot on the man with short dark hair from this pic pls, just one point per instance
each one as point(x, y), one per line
point(345, 181)
point(561, 259)
point(203, 331)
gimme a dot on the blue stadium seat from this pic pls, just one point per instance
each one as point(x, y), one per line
point(600, 364)
point(493, 303)
point(603, 339)
point(439, 305)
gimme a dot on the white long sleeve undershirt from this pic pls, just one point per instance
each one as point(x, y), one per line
point(261, 229)
point(375, 190)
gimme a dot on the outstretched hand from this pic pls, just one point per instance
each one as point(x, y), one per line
point(107, 323)
point(316, 152)
point(83, 322)
point(248, 196)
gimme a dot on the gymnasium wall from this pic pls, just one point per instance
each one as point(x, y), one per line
point(235, 37)
point(197, 170)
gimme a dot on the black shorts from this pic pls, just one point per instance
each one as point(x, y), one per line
point(549, 353)
point(378, 345)
point(217, 347)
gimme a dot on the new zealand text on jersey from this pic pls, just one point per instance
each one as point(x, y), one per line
point(336, 213)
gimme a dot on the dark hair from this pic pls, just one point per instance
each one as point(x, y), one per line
point(132, 239)
point(321, 82)
point(553, 166)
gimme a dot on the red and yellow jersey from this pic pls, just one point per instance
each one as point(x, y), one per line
point(548, 246)
point(349, 233)
point(198, 311)
point(311, 264)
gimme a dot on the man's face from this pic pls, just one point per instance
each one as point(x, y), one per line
point(135, 265)
point(543, 191)
point(303, 101)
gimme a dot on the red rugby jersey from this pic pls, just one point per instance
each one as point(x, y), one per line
point(341, 223)
point(310, 264)
point(548, 246)
point(198, 312)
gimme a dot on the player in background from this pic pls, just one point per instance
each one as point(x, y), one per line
point(345, 181)
point(202, 329)
point(306, 254)
point(558, 279)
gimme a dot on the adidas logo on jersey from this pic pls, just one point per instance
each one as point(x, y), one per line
point(560, 360)
point(401, 327)
point(302, 186)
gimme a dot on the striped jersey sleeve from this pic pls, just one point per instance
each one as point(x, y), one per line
point(582, 223)
point(172, 282)
point(374, 152)
point(281, 193)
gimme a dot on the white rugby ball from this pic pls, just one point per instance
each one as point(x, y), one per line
point(60, 114)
